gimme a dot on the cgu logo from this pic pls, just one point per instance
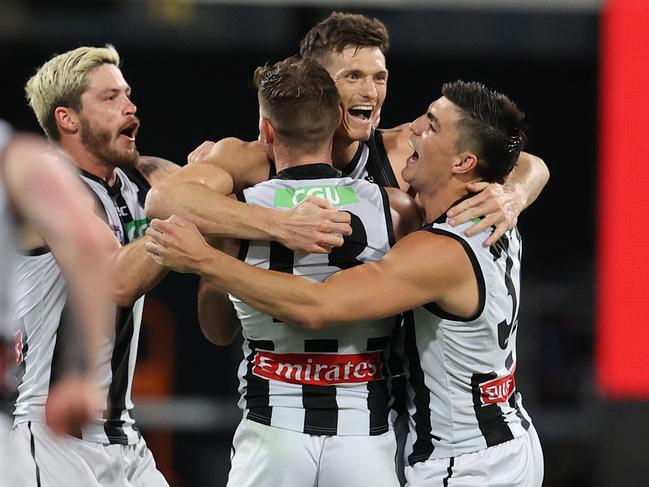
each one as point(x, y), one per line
point(337, 195)
point(318, 369)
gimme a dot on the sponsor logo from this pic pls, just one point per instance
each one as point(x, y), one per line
point(135, 229)
point(499, 389)
point(337, 195)
point(318, 369)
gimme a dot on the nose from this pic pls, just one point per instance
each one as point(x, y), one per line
point(129, 107)
point(369, 88)
point(416, 126)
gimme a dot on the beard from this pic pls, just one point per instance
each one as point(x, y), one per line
point(98, 142)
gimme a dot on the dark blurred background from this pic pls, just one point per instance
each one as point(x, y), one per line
point(190, 65)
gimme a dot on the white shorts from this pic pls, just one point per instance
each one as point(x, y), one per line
point(515, 463)
point(267, 456)
point(70, 462)
point(15, 463)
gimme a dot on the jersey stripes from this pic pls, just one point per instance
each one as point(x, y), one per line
point(461, 372)
point(329, 382)
point(371, 162)
point(47, 329)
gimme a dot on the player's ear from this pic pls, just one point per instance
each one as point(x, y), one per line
point(67, 119)
point(266, 131)
point(465, 163)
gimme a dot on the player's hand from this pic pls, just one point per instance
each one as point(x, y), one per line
point(498, 205)
point(177, 244)
point(313, 226)
point(71, 404)
point(201, 152)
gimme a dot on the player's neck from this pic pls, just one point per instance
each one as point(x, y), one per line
point(439, 201)
point(87, 161)
point(285, 158)
point(343, 152)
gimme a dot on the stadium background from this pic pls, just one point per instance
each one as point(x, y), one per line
point(190, 65)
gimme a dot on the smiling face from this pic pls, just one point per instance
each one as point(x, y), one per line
point(434, 140)
point(361, 78)
point(108, 125)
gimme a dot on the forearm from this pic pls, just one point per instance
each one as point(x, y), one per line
point(212, 212)
point(216, 315)
point(134, 273)
point(529, 177)
point(286, 297)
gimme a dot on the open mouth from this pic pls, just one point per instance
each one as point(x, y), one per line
point(130, 131)
point(415, 155)
point(361, 112)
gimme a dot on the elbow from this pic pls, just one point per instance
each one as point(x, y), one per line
point(124, 296)
point(311, 321)
point(218, 337)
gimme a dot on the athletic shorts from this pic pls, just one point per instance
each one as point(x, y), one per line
point(267, 456)
point(15, 463)
point(515, 463)
point(65, 461)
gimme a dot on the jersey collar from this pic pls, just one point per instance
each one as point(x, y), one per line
point(309, 171)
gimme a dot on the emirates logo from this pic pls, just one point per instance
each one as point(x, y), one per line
point(319, 369)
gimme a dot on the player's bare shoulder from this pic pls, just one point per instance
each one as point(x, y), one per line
point(155, 169)
point(246, 162)
point(395, 141)
point(406, 216)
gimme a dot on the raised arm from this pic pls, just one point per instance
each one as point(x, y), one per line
point(406, 277)
point(500, 205)
point(199, 193)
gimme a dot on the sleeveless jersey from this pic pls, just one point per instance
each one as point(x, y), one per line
point(8, 256)
point(327, 382)
point(45, 321)
point(461, 383)
point(370, 163)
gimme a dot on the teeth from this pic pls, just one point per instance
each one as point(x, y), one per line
point(362, 107)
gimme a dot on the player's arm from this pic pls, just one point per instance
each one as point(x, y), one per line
point(216, 314)
point(134, 273)
point(500, 205)
point(199, 193)
point(406, 278)
point(406, 217)
point(51, 200)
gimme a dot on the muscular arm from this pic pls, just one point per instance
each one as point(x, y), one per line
point(134, 272)
point(199, 193)
point(406, 277)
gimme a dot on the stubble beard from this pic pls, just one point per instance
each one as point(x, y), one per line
point(98, 143)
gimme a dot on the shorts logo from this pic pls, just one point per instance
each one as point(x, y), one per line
point(318, 369)
point(498, 390)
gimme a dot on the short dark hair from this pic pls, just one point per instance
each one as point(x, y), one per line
point(341, 30)
point(301, 101)
point(491, 125)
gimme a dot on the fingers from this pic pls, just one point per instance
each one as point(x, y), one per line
point(200, 151)
point(321, 202)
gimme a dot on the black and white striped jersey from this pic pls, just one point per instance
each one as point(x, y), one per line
point(462, 393)
point(329, 382)
point(371, 162)
point(8, 256)
point(45, 322)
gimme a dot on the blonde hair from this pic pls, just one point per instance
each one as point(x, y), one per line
point(62, 80)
